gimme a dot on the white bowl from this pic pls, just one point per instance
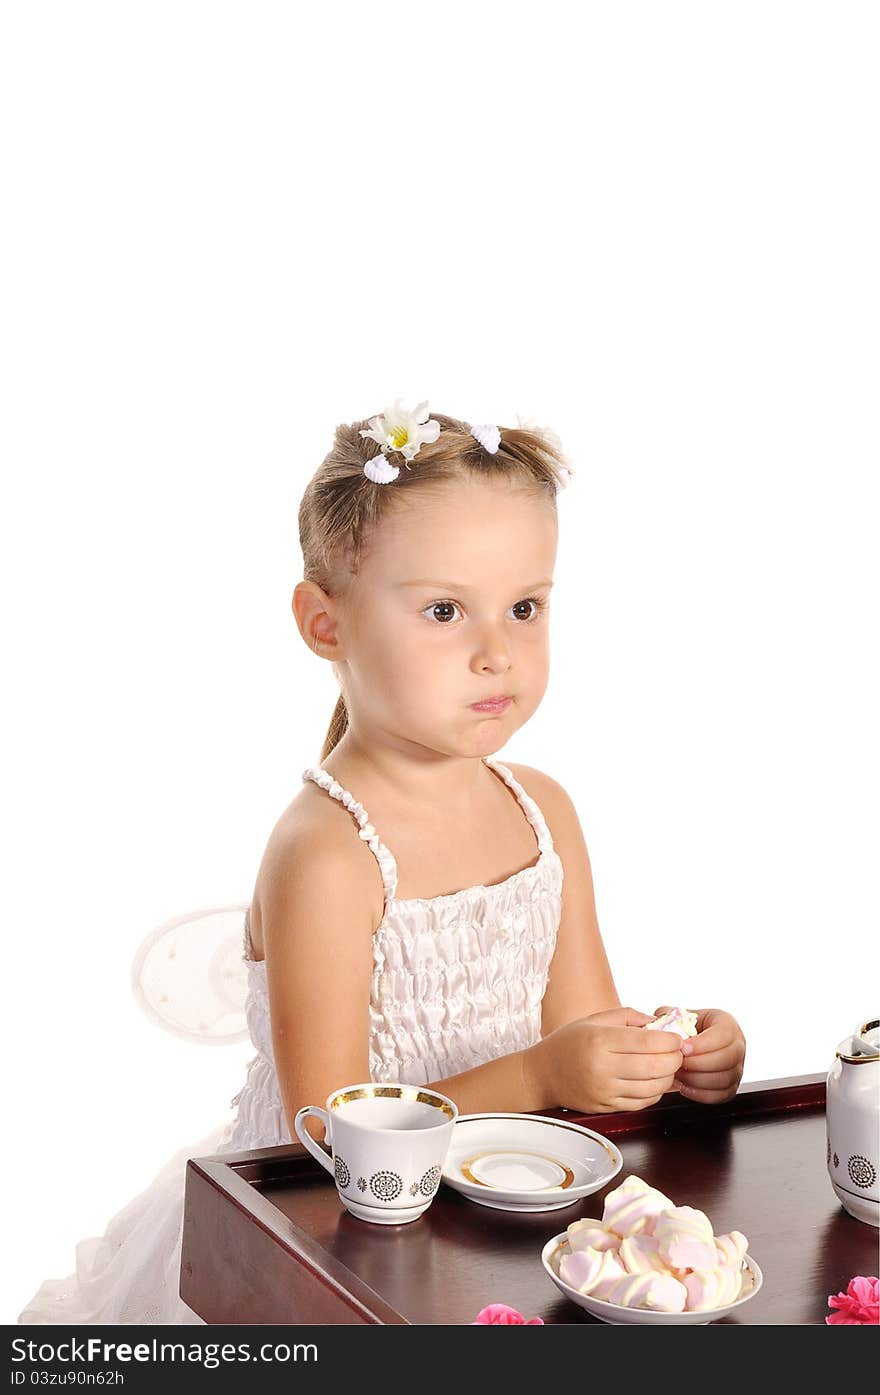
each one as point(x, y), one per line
point(525, 1162)
point(615, 1313)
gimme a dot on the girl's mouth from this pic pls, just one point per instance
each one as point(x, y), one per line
point(492, 705)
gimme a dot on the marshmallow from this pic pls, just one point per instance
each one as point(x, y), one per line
point(676, 1020)
point(591, 1234)
point(712, 1288)
point(640, 1254)
point(633, 1208)
point(685, 1239)
point(731, 1248)
point(648, 1253)
point(660, 1292)
point(591, 1271)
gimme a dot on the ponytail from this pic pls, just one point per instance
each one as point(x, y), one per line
point(337, 728)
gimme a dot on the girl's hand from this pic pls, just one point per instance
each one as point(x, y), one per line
point(713, 1060)
point(603, 1063)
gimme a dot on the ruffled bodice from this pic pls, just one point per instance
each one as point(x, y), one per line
point(457, 980)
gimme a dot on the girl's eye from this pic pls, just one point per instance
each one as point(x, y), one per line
point(537, 607)
point(443, 611)
point(440, 611)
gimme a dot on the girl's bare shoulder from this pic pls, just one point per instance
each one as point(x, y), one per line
point(314, 844)
point(552, 799)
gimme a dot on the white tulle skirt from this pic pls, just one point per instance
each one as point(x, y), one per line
point(131, 1274)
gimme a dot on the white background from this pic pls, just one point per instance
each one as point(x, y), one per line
point(229, 227)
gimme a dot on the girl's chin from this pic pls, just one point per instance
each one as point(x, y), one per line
point(488, 737)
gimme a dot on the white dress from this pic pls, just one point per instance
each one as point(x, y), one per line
point(457, 981)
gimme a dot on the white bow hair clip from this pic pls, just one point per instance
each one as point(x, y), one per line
point(489, 437)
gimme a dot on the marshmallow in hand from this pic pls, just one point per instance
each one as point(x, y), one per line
point(678, 1020)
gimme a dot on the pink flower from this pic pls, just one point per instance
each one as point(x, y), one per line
point(860, 1304)
point(499, 1313)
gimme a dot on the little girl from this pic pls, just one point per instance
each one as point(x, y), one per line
point(440, 900)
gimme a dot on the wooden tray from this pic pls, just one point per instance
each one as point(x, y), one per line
point(266, 1239)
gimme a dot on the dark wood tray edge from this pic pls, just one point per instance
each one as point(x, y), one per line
point(223, 1173)
point(674, 1111)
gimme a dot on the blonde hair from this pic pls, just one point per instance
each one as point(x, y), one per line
point(341, 507)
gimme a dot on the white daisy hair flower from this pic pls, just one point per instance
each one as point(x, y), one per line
point(400, 430)
point(489, 437)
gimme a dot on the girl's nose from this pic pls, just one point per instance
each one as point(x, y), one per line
point(491, 653)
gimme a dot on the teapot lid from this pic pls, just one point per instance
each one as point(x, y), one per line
point(863, 1046)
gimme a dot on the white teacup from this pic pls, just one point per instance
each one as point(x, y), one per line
point(389, 1143)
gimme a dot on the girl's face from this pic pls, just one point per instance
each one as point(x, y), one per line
point(450, 608)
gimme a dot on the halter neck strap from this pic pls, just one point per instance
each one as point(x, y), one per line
point(366, 831)
point(383, 855)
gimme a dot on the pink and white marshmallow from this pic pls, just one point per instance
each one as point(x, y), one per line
point(648, 1253)
point(660, 1292)
point(633, 1208)
point(640, 1254)
point(712, 1288)
point(591, 1271)
point(678, 1020)
point(685, 1239)
point(731, 1248)
point(591, 1234)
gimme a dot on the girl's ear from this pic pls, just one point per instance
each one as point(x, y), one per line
point(315, 615)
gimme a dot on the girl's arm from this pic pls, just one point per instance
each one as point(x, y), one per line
point(318, 907)
point(580, 981)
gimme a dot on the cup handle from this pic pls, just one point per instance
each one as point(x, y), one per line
point(306, 1138)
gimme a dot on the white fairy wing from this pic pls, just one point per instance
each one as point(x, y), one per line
point(190, 976)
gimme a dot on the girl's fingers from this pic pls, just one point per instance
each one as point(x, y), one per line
point(620, 1017)
point(713, 1096)
point(711, 1080)
point(643, 1090)
point(710, 1039)
point(641, 1043)
point(639, 1068)
point(722, 1058)
point(626, 1104)
point(635, 1018)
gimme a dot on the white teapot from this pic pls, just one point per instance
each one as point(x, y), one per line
point(852, 1115)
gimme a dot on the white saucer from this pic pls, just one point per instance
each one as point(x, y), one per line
point(526, 1162)
point(619, 1316)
